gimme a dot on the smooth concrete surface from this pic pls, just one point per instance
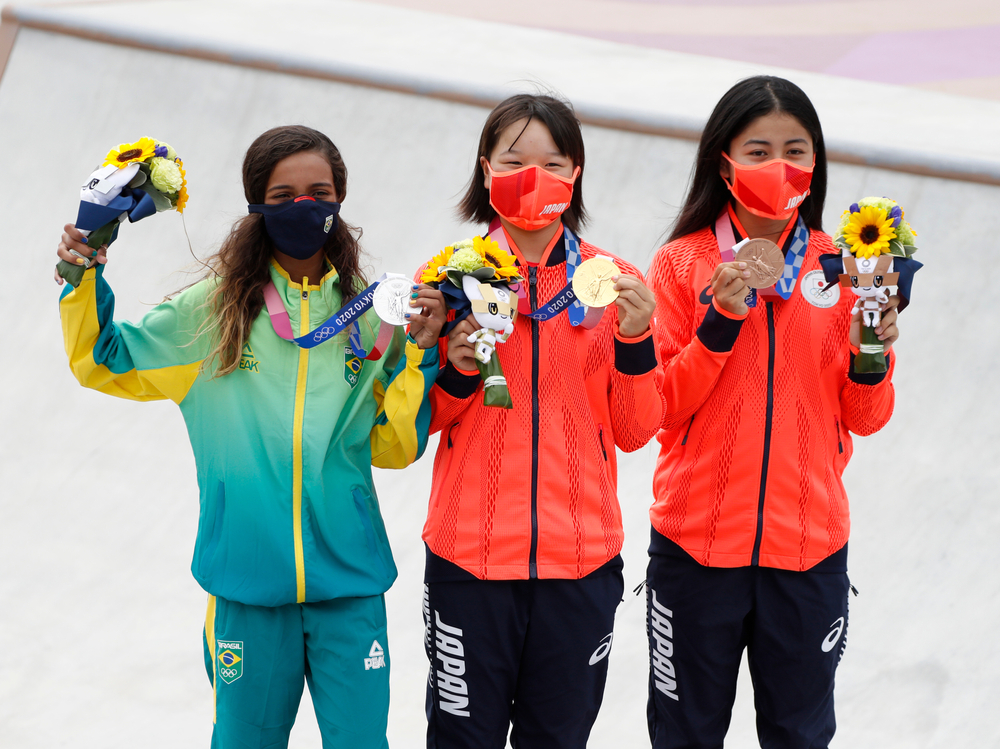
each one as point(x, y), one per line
point(100, 619)
point(473, 60)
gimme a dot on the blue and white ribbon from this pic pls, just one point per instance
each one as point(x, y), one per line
point(346, 317)
point(565, 299)
point(793, 260)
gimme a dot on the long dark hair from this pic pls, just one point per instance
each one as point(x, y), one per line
point(242, 262)
point(741, 105)
point(558, 116)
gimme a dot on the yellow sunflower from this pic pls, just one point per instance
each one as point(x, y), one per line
point(869, 231)
point(503, 264)
point(182, 195)
point(128, 153)
point(433, 273)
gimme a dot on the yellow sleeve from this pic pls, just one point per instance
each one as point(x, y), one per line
point(403, 418)
point(158, 358)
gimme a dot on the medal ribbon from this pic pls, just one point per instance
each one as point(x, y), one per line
point(579, 313)
point(793, 259)
point(347, 316)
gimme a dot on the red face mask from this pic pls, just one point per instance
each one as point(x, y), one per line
point(773, 189)
point(530, 197)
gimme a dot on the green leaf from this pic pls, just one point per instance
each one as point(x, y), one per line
point(483, 274)
point(138, 179)
point(161, 201)
point(72, 273)
point(102, 236)
point(896, 248)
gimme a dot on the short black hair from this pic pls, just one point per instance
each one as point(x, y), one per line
point(741, 105)
point(558, 116)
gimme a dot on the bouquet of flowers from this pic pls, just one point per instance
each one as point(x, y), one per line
point(474, 276)
point(876, 243)
point(136, 180)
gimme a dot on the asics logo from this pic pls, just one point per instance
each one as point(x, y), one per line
point(554, 208)
point(603, 649)
point(834, 636)
point(705, 297)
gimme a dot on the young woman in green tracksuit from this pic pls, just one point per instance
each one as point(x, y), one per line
point(291, 547)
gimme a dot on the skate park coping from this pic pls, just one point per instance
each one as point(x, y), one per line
point(450, 58)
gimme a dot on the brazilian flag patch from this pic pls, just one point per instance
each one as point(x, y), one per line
point(229, 654)
point(352, 367)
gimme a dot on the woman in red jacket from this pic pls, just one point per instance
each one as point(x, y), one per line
point(750, 518)
point(524, 529)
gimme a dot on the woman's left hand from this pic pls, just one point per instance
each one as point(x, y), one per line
point(425, 325)
point(886, 329)
point(636, 304)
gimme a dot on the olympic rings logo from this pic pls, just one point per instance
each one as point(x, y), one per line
point(323, 333)
point(228, 673)
point(824, 295)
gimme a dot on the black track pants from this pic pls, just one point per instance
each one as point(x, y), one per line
point(699, 619)
point(526, 655)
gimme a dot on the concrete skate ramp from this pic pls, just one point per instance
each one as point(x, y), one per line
point(100, 620)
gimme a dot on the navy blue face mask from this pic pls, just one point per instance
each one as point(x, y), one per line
point(299, 227)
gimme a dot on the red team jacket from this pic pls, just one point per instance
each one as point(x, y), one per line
point(532, 491)
point(758, 414)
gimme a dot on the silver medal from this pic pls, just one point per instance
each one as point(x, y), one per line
point(392, 299)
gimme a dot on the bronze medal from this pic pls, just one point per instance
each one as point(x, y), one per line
point(765, 261)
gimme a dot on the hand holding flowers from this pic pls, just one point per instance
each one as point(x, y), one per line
point(475, 276)
point(136, 180)
point(876, 244)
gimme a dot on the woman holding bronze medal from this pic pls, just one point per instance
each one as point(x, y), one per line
point(750, 519)
point(523, 533)
point(285, 427)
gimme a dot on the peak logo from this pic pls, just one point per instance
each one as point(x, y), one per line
point(831, 639)
point(247, 360)
point(376, 657)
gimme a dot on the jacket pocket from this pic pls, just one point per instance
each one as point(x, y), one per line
point(688, 432)
point(374, 529)
point(600, 438)
point(840, 437)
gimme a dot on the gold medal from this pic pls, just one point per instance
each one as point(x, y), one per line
point(765, 261)
point(592, 282)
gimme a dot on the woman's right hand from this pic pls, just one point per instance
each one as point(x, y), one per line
point(729, 286)
point(73, 239)
point(461, 352)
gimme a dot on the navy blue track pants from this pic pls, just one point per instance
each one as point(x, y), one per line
point(793, 626)
point(529, 656)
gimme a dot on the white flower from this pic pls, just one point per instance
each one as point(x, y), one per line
point(165, 176)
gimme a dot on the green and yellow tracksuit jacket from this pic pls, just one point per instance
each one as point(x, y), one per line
point(283, 445)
